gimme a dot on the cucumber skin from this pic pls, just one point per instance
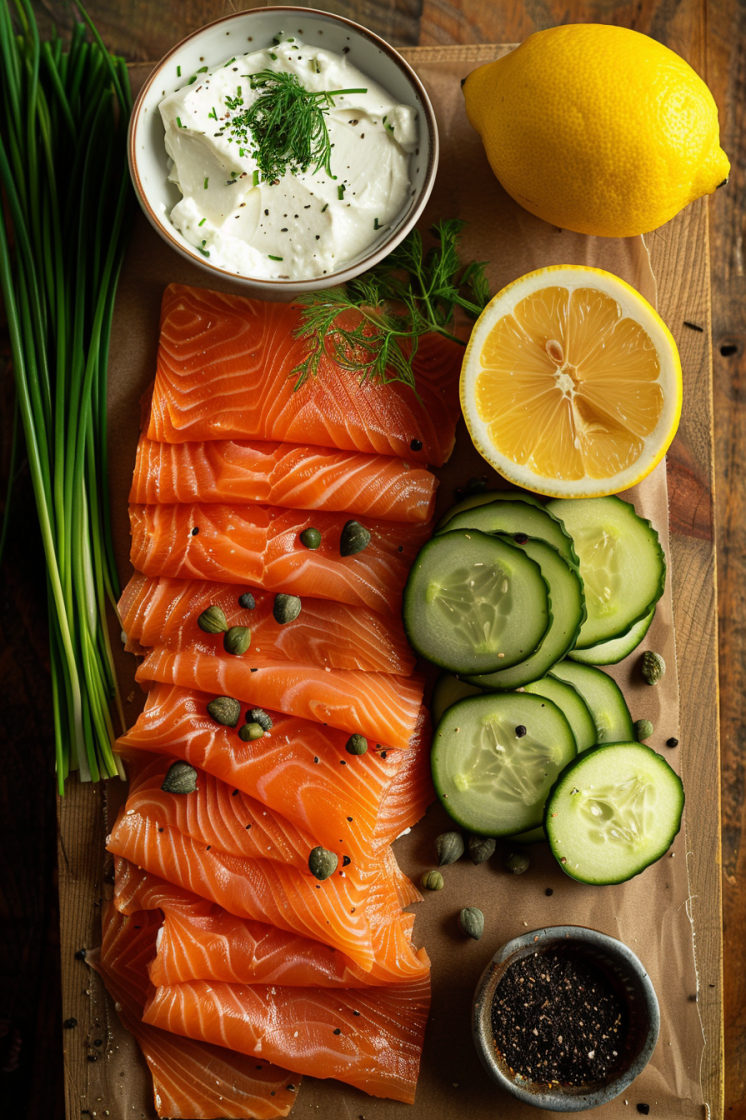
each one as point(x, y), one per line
point(661, 553)
point(564, 774)
point(594, 668)
point(494, 495)
point(599, 658)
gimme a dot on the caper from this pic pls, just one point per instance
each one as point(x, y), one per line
point(481, 848)
point(258, 715)
point(471, 922)
point(180, 778)
point(643, 730)
point(247, 601)
point(225, 710)
point(450, 847)
point(356, 744)
point(653, 667)
point(249, 732)
point(432, 881)
point(311, 538)
point(286, 608)
point(355, 537)
point(322, 863)
point(516, 862)
point(213, 620)
point(237, 640)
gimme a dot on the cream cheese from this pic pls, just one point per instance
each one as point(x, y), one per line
point(303, 225)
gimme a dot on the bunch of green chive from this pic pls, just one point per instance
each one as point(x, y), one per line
point(64, 113)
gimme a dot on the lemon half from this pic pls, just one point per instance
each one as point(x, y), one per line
point(571, 383)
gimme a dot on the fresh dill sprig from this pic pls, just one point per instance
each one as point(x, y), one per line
point(285, 127)
point(372, 325)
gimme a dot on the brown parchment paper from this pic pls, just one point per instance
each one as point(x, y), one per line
point(650, 913)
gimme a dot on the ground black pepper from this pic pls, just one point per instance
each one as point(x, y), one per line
point(557, 1019)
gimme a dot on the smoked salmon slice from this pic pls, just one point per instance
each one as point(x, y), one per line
point(283, 474)
point(224, 372)
point(219, 817)
point(377, 705)
point(164, 612)
point(370, 1038)
point(201, 941)
point(222, 817)
point(301, 769)
point(192, 1080)
point(333, 912)
point(261, 545)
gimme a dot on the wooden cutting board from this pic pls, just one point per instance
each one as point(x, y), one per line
point(679, 259)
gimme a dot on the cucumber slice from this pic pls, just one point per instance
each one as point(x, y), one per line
point(612, 812)
point(473, 603)
point(568, 613)
point(533, 836)
point(489, 779)
point(604, 699)
point(448, 689)
point(514, 516)
point(621, 562)
point(569, 701)
point(609, 653)
point(483, 499)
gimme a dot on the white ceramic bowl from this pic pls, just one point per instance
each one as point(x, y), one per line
point(253, 30)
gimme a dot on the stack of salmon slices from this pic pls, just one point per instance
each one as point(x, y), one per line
point(258, 927)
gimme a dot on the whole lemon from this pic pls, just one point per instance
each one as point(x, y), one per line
point(597, 129)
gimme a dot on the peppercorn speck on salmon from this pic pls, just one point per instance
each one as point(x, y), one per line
point(224, 372)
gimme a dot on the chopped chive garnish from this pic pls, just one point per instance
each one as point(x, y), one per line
point(230, 60)
point(290, 40)
point(192, 80)
point(204, 252)
point(202, 70)
point(207, 180)
point(274, 258)
point(178, 121)
point(341, 191)
point(273, 56)
point(255, 179)
point(375, 224)
point(212, 114)
point(203, 221)
point(325, 207)
point(233, 174)
point(178, 71)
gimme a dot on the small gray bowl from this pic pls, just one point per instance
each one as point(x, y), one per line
point(627, 975)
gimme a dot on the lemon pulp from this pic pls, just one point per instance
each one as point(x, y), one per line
point(569, 386)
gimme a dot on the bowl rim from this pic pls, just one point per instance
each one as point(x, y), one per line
point(341, 275)
point(557, 1100)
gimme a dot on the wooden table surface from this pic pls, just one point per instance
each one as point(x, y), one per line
point(711, 35)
